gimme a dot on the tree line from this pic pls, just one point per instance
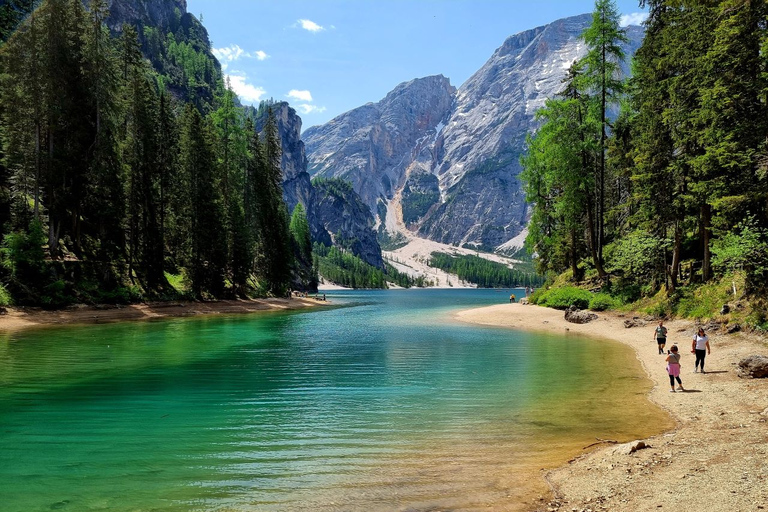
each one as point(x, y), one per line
point(671, 189)
point(482, 272)
point(109, 181)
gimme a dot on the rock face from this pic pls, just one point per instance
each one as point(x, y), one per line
point(471, 139)
point(374, 145)
point(342, 216)
point(335, 216)
point(754, 367)
point(154, 13)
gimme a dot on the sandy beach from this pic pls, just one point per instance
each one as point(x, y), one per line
point(714, 460)
point(22, 318)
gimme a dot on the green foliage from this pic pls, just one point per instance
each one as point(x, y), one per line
point(5, 296)
point(300, 234)
point(671, 196)
point(483, 272)
point(334, 186)
point(420, 193)
point(404, 280)
point(124, 183)
point(346, 269)
point(23, 254)
point(602, 302)
point(745, 248)
point(563, 298)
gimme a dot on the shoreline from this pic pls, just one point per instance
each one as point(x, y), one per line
point(712, 459)
point(17, 319)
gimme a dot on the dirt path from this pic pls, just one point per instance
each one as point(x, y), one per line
point(715, 460)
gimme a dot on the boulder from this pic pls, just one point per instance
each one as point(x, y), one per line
point(732, 328)
point(753, 367)
point(725, 309)
point(630, 448)
point(576, 316)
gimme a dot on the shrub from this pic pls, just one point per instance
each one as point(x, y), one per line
point(659, 309)
point(5, 296)
point(601, 302)
point(563, 298)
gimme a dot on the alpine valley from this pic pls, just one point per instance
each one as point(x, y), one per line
point(436, 162)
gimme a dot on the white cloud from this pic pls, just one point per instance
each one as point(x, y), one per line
point(310, 109)
point(234, 53)
point(310, 25)
point(635, 18)
point(248, 93)
point(300, 95)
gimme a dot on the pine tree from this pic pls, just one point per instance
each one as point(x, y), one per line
point(205, 258)
point(104, 205)
point(601, 79)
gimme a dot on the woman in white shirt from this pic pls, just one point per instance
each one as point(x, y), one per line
point(700, 347)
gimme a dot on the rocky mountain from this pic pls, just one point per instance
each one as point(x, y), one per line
point(469, 140)
point(160, 14)
point(336, 214)
point(373, 145)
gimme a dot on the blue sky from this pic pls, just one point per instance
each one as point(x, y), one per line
point(326, 57)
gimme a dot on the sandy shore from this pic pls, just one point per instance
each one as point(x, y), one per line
point(715, 460)
point(22, 318)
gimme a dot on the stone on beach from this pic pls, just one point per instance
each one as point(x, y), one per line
point(630, 448)
point(576, 316)
point(753, 367)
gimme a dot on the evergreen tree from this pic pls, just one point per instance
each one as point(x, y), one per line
point(601, 79)
point(104, 205)
point(274, 254)
point(205, 254)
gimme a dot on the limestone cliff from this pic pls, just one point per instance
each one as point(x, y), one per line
point(336, 214)
point(469, 139)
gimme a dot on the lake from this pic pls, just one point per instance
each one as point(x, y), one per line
point(382, 402)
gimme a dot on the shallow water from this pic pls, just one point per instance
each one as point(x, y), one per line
point(384, 403)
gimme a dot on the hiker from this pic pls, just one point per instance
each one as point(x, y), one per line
point(673, 369)
point(700, 347)
point(660, 335)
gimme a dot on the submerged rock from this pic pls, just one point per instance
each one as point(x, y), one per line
point(753, 367)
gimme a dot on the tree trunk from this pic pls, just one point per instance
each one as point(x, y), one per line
point(592, 242)
point(574, 259)
point(677, 251)
point(706, 221)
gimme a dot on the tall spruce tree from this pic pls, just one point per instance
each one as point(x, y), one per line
point(601, 79)
point(205, 254)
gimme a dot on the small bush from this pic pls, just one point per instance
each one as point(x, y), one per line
point(5, 296)
point(563, 298)
point(601, 302)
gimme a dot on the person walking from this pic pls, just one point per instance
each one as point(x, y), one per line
point(673, 369)
point(660, 335)
point(700, 347)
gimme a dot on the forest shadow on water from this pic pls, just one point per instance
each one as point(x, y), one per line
point(382, 404)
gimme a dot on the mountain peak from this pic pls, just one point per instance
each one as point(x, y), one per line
point(451, 157)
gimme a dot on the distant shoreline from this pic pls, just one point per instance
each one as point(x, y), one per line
point(703, 462)
point(23, 318)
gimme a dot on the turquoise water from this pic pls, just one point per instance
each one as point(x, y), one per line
point(383, 403)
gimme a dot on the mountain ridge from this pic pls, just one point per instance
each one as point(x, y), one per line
point(472, 146)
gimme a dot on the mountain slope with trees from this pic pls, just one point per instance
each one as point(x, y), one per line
point(672, 195)
point(123, 174)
